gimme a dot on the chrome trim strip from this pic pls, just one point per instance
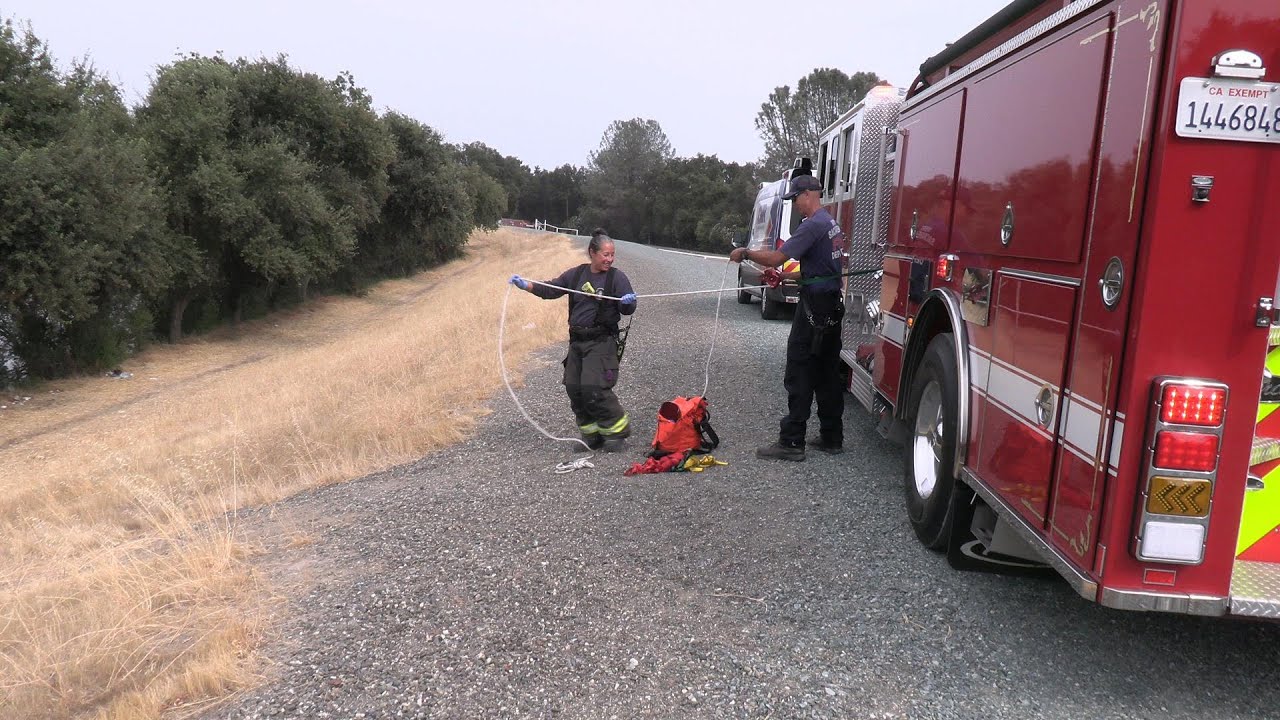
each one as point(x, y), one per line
point(1042, 277)
point(1010, 46)
point(1147, 601)
point(1081, 583)
point(899, 256)
point(879, 189)
point(1117, 441)
point(961, 333)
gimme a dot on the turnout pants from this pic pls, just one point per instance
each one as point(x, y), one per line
point(813, 372)
point(590, 372)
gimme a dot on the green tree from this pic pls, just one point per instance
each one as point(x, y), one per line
point(621, 175)
point(186, 120)
point(512, 174)
point(269, 173)
point(427, 214)
point(701, 201)
point(314, 157)
point(79, 241)
point(488, 199)
point(790, 124)
point(555, 195)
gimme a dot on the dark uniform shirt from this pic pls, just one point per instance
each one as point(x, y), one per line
point(583, 314)
point(817, 244)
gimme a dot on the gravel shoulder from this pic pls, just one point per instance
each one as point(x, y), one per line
point(479, 583)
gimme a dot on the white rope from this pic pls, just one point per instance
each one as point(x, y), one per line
point(652, 295)
point(715, 328)
point(568, 467)
point(502, 363)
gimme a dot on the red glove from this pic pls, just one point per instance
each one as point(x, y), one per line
point(771, 277)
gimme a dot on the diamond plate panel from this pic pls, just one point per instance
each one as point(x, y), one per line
point(869, 229)
point(1264, 450)
point(1255, 589)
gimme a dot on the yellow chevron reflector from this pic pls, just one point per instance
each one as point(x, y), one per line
point(1179, 496)
point(791, 266)
point(1274, 338)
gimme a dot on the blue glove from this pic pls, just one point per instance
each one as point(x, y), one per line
point(628, 299)
point(520, 282)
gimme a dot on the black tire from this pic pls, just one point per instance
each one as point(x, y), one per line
point(770, 309)
point(930, 450)
point(744, 296)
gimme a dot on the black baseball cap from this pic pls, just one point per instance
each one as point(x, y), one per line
point(800, 184)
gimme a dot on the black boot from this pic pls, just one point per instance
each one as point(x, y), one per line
point(830, 447)
point(779, 451)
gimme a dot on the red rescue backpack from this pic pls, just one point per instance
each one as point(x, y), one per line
point(684, 426)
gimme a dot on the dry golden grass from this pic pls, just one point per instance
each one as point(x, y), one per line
point(126, 587)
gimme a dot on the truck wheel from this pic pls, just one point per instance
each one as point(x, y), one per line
point(769, 309)
point(744, 297)
point(931, 444)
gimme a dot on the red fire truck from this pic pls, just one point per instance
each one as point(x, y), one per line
point(1076, 209)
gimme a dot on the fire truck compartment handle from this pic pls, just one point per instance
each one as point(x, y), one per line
point(1266, 314)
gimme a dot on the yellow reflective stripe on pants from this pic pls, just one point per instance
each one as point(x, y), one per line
point(615, 428)
point(591, 429)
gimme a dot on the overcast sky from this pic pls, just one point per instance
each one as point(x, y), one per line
point(540, 80)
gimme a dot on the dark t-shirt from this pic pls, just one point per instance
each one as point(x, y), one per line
point(817, 244)
point(583, 313)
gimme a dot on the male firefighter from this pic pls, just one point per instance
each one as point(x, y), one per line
point(813, 347)
point(591, 365)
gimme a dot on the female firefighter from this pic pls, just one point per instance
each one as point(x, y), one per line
point(591, 365)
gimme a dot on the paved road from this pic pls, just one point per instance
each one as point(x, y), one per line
point(477, 583)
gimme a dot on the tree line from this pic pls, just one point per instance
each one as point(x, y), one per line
point(239, 186)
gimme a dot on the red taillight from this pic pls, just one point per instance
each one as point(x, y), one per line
point(1197, 452)
point(943, 269)
point(1193, 405)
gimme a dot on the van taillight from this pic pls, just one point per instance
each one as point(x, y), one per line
point(1193, 405)
point(1184, 436)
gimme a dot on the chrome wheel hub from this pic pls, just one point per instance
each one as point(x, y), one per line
point(927, 440)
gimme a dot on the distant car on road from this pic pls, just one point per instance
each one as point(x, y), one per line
point(772, 222)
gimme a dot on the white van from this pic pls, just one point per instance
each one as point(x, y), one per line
point(772, 222)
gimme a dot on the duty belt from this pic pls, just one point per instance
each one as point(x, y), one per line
point(592, 332)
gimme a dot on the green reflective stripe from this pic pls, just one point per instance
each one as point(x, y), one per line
point(614, 428)
point(1261, 512)
point(591, 429)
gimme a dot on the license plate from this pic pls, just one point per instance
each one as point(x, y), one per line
point(792, 298)
point(1229, 109)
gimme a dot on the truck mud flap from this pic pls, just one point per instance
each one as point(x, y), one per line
point(966, 551)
